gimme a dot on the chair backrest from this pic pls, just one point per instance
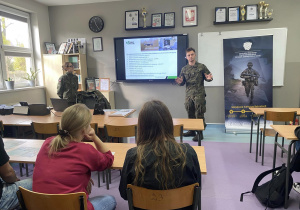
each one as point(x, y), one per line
point(120, 131)
point(30, 200)
point(44, 128)
point(143, 198)
point(280, 116)
point(178, 131)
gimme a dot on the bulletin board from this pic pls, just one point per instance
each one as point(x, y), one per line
point(210, 52)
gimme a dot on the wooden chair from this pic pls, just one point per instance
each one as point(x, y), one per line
point(44, 129)
point(112, 131)
point(119, 132)
point(143, 198)
point(178, 132)
point(30, 200)
point(274, 116)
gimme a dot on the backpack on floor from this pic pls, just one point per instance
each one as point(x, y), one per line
point(271, 194)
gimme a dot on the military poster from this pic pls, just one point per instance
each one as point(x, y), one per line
point(248, 73)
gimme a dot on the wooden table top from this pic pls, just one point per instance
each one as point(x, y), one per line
point(26, 150)
point(25, 120)
point(261, 111)
point(188, 124)
point(287, 131)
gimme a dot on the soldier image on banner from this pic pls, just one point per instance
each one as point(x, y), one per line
point(251, 79)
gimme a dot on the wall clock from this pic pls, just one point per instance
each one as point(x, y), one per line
point(96, 24)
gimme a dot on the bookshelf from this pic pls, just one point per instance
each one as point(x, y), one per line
point(53, 70)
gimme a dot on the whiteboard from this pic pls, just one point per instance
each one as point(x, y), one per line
point(210, 51)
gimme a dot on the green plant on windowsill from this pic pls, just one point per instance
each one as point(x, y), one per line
point(9, 79)
point(32, 75)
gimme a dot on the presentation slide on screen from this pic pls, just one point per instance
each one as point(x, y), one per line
point(151, 58)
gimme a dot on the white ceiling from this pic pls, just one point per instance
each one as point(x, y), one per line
point(70, 2)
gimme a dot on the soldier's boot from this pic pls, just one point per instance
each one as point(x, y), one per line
point(200, 136)
point(189, 133)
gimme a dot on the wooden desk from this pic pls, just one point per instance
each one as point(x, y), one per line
point(188, 124)
point(26, 150)
point(25, 120)
point(287, 131)
point(260, 112)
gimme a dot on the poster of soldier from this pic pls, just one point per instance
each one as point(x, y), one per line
point(248, 73)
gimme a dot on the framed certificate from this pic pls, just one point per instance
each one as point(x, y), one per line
point(233, 14)
point(169, 19)
point(131, 19)
point(251, 12)
point(189, 16)
point(97, 44)
point(156, 20)
point(90, 84)
point(104, 84)
point(220, 14)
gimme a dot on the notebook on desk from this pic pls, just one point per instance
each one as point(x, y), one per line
point(59, 104)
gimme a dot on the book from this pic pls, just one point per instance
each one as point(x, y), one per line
point(70, 48)
point(62, 48)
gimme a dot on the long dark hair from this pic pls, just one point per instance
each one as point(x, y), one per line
point(155, 135)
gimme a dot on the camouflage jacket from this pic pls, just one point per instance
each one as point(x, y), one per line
point(96, 94)
point(67, 87)
point(193, 77)
point(250, 75)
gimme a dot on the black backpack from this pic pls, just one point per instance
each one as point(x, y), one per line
point(271, 194)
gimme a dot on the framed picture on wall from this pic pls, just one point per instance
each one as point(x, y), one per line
point(97, 84)
point(50, 48)
point(131, 19)
point(97, 44)
point(104, 84)
point(189, 16)
point(169, 19)
point(156, 20)
point(90, 84)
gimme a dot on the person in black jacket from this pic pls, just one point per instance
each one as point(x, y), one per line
point(68, 84)
point(158, 162)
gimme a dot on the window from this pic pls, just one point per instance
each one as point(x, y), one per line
point(16, 54)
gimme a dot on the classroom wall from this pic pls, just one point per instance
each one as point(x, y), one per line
point(72, 21)
point(41, 33)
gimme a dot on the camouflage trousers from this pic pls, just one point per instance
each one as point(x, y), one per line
point(195, 107)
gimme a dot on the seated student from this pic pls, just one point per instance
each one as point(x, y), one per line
point(158, 162)
point(64, 163)
point(9, 183)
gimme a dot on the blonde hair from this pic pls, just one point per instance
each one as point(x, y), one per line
point(73, 119)
point(155, 135)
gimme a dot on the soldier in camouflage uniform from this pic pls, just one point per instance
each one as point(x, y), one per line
point(193, 75)
point(251, 79)
point(68, 84)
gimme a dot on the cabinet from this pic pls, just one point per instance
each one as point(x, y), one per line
point(53, 70)
point(110, 96)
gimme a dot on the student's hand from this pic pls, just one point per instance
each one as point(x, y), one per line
point(89, 186)
point(179, 80)
point(208, 76)
point(90, 135)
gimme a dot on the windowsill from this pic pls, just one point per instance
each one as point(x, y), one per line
point(21, 89)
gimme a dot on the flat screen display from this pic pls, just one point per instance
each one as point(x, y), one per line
point(150, 58)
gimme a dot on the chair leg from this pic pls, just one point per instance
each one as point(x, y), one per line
point(98, 172)
point(260, 140)
point(282, 144)
point(103, 176)
point(26, 167)
point(263, 151)
point(21, 171)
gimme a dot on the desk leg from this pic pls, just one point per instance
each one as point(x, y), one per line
point(257, 137)
point(251, 132)
point(107, 181)
point(275, 150)
point(288, 173)
point(199, 136)
point(21, 171)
